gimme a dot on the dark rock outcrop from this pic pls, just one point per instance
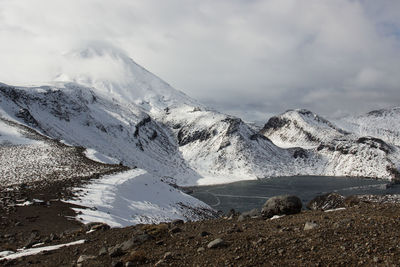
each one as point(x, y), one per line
point(326, 202)
point(281, 205)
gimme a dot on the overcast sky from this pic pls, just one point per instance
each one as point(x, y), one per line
point(250, 58)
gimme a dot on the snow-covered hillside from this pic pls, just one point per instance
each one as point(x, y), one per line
point(383, 124)
point(300, 128)
point(27, 157)
point(119, 197)
point(223, 148)
point(78, 116)
point(340, 153)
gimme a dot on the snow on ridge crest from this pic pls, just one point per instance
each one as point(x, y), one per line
point(300, 128)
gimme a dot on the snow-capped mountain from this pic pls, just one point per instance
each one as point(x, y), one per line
point(141, 121)
point(110, 73)
point(223, 148)
point(114, 106)
point(300, 128)
point(383, 124)
point(340, 153)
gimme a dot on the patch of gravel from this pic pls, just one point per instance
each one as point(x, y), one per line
point(364, 234)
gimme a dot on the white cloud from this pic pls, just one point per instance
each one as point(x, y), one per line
point(237, 55)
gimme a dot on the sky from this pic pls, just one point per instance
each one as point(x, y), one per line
point(249, 58)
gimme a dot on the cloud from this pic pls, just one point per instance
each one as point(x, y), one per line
point(246, 57)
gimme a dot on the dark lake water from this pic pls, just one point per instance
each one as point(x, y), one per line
point(246, 195)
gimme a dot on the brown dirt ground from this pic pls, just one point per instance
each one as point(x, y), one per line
point(363, 234)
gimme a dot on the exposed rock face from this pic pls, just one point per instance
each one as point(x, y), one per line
point(326, 202)
point(281, 205)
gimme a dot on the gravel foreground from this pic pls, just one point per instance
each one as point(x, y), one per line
point(361, 234)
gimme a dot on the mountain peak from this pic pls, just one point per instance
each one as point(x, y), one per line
point(113, 74)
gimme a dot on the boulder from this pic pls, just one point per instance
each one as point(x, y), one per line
point(326, 202)
point(280, 205)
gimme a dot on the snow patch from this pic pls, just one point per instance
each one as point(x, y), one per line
point(96, 156)
point(338, 209)
point(133, 197)
point(33, 251)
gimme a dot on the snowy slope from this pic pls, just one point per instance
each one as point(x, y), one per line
point(121, 199)
point(383, 124)
point(223, 148)
point(135, 197)
point(340, 153)
point(79, 117)
point(300, 128)
point(27, 157)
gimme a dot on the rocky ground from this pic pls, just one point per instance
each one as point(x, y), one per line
point(364, 233)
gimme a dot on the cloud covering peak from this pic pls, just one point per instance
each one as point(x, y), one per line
point(246, 57)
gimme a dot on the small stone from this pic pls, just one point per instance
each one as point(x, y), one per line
point(100, 226)
point(310, 226)
point(18, 224)
point(103, 251)
point(217, 243)
point(84, 258)
point(167, 256)
point(127, 245)
point(158, 263)
point(201, 249)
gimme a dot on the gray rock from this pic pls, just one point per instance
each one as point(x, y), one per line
point(326, 202)
point(310, 226)
point(127, 245)
point(84, 258)
point(217, 243)
point(201, 249)
point(103, 251)
point(100, 226)
point(167, 255)
point(280, 205)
